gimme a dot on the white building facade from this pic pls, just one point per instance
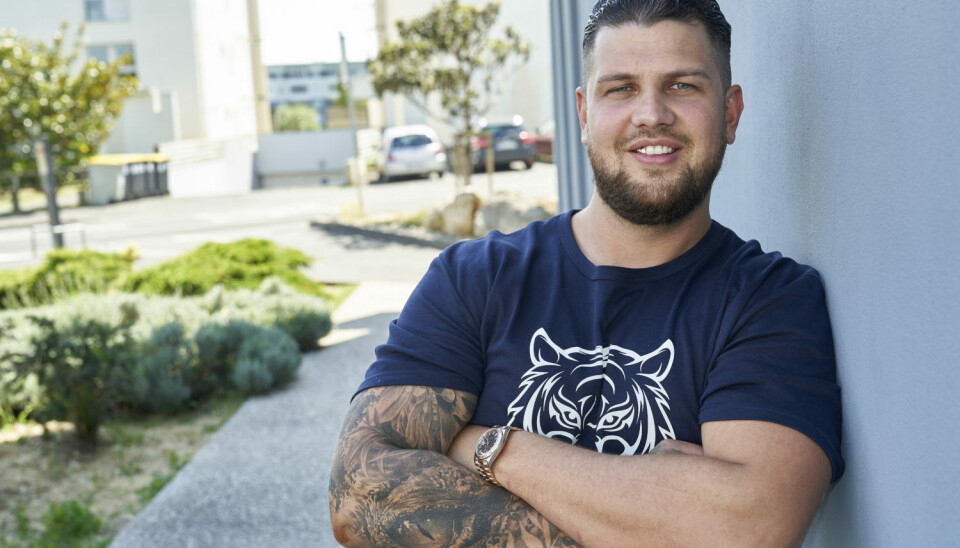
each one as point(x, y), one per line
point(315, 85)
point(195, 63)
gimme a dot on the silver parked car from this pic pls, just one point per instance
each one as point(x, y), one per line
point(411, 151)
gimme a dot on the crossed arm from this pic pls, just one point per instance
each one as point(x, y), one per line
point(752, 484)
point(391, 484)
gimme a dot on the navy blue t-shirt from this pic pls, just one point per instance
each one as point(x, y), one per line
point(617, 359)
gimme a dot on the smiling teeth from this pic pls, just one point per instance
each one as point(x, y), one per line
point(655, 151)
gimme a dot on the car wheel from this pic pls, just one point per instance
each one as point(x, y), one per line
point(384, 178)
point(528, 163)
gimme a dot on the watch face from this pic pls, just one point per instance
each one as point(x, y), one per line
point(488, 442)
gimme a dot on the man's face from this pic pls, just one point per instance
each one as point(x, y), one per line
point(656, 119)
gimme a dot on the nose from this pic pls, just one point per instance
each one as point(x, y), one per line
point(651, 110)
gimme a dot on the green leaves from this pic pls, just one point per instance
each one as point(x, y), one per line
point(46, 91)
point(296, 117)
point(450, 51)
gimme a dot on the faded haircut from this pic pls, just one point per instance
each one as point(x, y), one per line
point(617, 13)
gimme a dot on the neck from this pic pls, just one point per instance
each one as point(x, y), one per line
point(606, 239)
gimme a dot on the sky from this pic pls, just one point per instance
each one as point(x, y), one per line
point(307, 31)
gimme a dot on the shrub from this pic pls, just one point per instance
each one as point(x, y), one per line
point(82, 365)
point(20, 392)
point(67, 523)
point(251, 376)
point(242, 264)
point(167, 357)
point(306, 327)
point(217, 348)
point(92, 356)
point(64, 273)
point(267, 358)
point(305, 318)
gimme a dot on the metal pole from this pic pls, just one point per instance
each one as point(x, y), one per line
point(348, 91)
point(41, 148)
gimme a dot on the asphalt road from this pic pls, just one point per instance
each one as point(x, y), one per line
point(163, 227)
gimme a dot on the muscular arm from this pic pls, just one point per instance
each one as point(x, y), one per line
point(754, 484)
point(391, 485)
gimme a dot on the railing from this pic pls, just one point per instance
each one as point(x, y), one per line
point(64, 228)
point(15, 182)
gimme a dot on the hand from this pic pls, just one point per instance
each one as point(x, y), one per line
point(675, 446)
point(464, 445)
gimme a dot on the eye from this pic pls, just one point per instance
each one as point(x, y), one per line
point(619, 89)
point(616, 419)
point(682, 86)
point(562, 410)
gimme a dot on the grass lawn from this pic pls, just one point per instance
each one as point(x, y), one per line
point(32, 200)
point(133, 461)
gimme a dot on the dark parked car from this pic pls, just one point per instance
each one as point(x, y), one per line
point(511, 143)
point(543, 141)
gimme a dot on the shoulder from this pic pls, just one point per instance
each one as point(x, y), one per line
point(754, 270)
point(497, 252)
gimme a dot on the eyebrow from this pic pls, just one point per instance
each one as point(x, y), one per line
point(686, 73)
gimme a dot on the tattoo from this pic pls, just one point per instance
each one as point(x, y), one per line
point(392, 482)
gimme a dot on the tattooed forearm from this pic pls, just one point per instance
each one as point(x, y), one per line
point(392, 486)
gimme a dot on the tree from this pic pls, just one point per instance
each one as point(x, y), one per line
point(449, 51)
point(341, 100)
point(297, 117)
point(47, 91)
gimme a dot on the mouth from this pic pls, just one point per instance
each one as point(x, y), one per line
point(655, 155)
point(658, 150)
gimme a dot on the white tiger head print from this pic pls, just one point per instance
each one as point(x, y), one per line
point(609, 393)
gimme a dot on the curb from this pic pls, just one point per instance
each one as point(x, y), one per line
point(393, 233)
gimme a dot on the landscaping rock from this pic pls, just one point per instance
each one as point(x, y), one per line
point(507, 214)
point(458, 216)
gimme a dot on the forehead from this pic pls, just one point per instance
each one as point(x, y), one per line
point(660, 48)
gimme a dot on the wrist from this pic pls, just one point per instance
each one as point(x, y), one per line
point(488, 450)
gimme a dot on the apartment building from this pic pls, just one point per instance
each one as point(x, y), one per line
point(195, 60)
point(315, 85)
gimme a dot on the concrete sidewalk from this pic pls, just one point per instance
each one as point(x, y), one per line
point(262, 479)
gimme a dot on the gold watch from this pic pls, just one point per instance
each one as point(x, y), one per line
point(488, 448)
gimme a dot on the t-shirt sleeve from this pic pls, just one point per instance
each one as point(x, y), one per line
point(434, 342)
point(779, 365)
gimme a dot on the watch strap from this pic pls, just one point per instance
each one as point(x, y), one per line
point(485, 465)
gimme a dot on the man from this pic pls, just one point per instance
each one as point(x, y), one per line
point(652, 379)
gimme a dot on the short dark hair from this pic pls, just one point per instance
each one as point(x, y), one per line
point(616, 13)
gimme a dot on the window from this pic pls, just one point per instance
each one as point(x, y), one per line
point(106, 10)
point(112, 52)
point(411, 141)
point(298, 89)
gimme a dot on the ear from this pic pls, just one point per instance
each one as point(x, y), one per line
point(543, 350)
point(657, 364)
point(582, 113)
point(733, 108)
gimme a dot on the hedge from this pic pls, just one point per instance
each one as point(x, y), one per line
point(95, 356)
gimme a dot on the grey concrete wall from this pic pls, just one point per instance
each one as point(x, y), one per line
point(846, 159)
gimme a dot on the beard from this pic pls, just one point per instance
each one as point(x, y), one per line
point(654, 199)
